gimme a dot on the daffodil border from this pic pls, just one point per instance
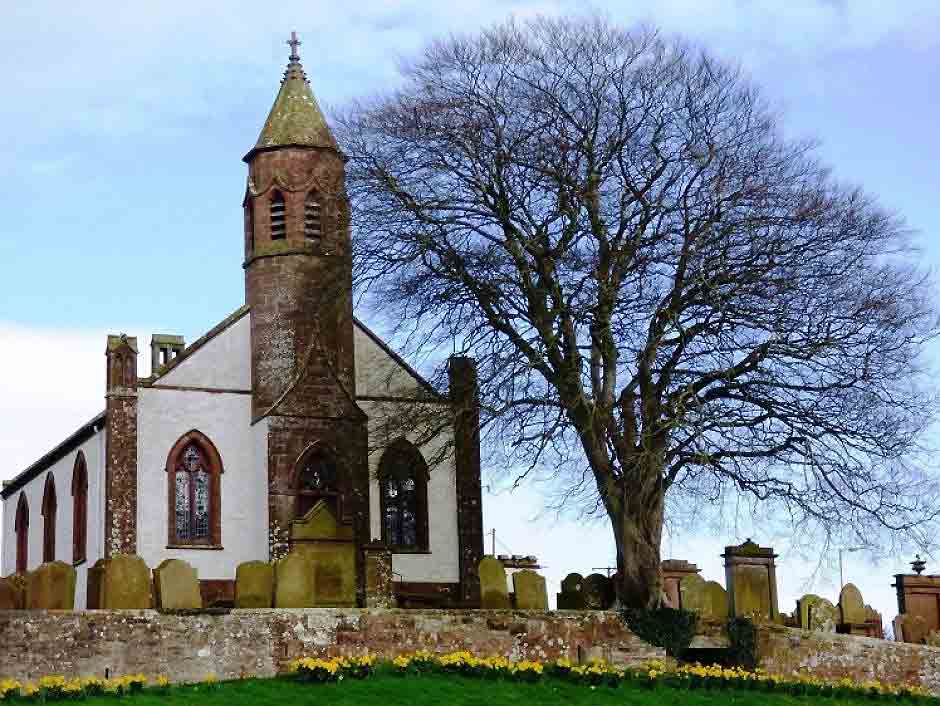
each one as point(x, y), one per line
point(653, 674)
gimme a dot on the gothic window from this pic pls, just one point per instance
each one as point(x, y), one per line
point(79, 509)
point(49, 507)
point(403, 483)
point(194, 469)
point(316, 480)
point(21, 527)
point(278, 216)
point(312, 229)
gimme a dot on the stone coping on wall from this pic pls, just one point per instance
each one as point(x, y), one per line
point(260, 642)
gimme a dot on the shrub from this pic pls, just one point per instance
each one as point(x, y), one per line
point(669, 628)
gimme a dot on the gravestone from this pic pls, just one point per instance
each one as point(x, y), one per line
point(331, 551)
point(529, 590)
point(11, 595)
point(817, 614)
point(293, 582)
point(571, 597)
point(125, 583)
point(494, 593)
point(51, 587)
point(707, 598)
point(914, 628)
point(751, 577)
point(874, 625)
point(176, 586)
point(254, 585)
point(597, 592)
point(851, 607)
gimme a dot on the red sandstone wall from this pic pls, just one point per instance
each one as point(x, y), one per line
point(261, 642)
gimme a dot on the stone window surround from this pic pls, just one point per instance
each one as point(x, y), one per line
point(216, 469)
point(421, 476)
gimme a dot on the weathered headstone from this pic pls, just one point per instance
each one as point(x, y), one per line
point(817, 614)
point(597, 591)
point(380, 590)
point(176, 586)
point(51, 587)
point(914, 628)
point(874, 626)
point(294, 582)
point(494, 594)
point(125, 583)
point(707, 598)
point(674, 570)
point(571, 597)
point(331, 551)
point(851, 610)
point(254, 585)
point(11, 595)
point(750, 574)
point(529, 590)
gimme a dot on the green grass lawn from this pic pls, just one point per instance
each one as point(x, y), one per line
point(445, 690)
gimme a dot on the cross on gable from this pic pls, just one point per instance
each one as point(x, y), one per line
point(293, 42)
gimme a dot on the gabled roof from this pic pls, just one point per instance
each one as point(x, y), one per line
point(196, 345)
point(428, 387)
point(79, 437)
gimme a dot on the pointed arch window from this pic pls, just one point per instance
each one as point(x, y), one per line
point(79, 510)
point(21, 528)
point(278, 216)
point(194, 470)
point(403, 483)
point(312, 220)
point(49, 508)
point(317, 479)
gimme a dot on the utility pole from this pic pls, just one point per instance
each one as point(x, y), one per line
point(493, 542)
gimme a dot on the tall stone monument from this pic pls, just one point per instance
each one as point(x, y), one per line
point(751, 578)
point(674, 570)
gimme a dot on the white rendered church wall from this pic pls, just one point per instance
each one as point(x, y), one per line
point(442, 563)
point(61, 471)
point(222, 363)
point(377, 373)
point(163, 417)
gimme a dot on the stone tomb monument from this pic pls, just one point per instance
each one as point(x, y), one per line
point(529, 590)
point(751, 577)
point(494, 592)
point(176, 586)
point(674, 570)
point(918, 597)
point(254, 585)
point(51, 586)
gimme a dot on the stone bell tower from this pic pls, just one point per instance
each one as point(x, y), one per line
point(298, 283)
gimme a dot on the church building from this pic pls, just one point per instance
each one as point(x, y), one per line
point(275, 421)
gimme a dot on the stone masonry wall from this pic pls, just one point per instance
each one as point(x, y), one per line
point(261, 642)
point(789, 651)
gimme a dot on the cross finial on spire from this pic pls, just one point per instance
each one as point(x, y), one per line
point(293, 42)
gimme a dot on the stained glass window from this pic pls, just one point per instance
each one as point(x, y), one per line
point(193, 496)
point(403, 483)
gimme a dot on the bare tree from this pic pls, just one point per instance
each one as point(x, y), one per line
point(664, 294)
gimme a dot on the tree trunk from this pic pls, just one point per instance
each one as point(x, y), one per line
point(637, 523)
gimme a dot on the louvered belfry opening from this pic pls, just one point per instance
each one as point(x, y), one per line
point(312, 224)
point(278, 217)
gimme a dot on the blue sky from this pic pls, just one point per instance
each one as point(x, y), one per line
point(123, 125)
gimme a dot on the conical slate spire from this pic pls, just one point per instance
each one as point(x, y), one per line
point(295, 117)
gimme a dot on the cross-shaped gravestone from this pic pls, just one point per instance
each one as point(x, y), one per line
point(293, 42)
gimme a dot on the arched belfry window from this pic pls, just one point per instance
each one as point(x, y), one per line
point(278, 216)
point(403, 483)
point(317, 479)
point(250, 222)
point(49, 509)
point(21, 528)
point(194, 470)
point(312, 221)
point(79, 510)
